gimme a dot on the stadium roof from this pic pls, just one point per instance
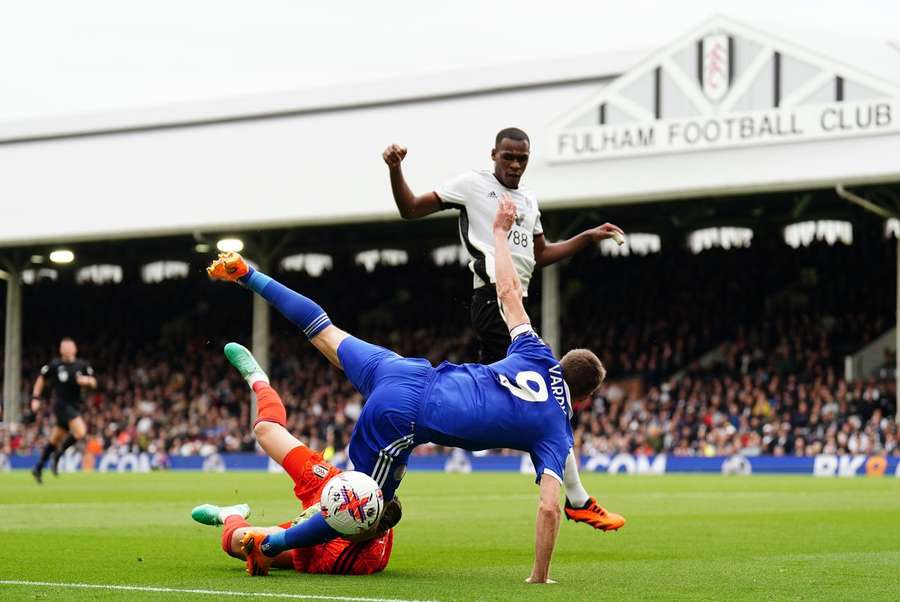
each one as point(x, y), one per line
point(452, 84)
point(875, 57)
point(277, 162)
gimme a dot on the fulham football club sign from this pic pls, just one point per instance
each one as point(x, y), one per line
point(725, 85)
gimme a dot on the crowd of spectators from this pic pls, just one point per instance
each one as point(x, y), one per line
point(774, 382)
point(713, 354)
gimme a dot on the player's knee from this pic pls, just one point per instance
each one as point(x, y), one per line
point(549, 510)
point(264, 429)
point(328, 341)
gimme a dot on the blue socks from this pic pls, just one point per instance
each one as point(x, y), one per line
point(311, 532)
point(302, 311)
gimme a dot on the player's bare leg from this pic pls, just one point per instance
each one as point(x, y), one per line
point(328, 341)
point(57, 435)
point(77, 427)
point(300, 310)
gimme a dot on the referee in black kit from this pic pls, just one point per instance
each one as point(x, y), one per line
point(66, 376)
point(476, 194)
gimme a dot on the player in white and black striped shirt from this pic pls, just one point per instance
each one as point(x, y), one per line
point(476, 195)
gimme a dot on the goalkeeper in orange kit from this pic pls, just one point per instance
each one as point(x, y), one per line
point(310, 472)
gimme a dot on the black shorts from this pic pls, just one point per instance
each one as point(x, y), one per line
point(493, 334)
point(65, 413)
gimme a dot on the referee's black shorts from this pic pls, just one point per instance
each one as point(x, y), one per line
point(493, 334)
point(65, 413)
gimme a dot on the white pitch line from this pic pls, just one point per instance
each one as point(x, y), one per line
point(205, 592)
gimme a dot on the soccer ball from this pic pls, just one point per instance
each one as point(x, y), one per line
point(352, 503)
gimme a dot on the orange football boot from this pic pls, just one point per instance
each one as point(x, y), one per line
point(258, 564)
point(595, 515)
point(229, 266)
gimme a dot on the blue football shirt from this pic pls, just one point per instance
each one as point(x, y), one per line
point(520, 402)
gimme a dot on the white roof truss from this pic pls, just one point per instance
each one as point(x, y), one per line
point(769, 53)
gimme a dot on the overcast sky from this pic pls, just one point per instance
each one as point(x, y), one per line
point(62, 57)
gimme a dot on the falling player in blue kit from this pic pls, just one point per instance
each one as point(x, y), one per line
point(522, 402)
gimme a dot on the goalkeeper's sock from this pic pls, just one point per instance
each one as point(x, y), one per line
point(305, 313)
point(269, 407)
point(575, 491)
point(311, 532)
point(232, 524)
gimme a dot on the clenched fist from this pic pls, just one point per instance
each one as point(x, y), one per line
point(393, 155)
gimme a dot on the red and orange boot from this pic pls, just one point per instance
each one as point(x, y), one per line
point(595, 515)
point(228, 266)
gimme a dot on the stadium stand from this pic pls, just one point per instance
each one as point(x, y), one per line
point(760, 375)
point(773, 384)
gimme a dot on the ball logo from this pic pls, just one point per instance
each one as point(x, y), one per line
point(352, 504)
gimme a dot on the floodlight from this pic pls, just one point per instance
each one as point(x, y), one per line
point(230, 244)
point(62, 256)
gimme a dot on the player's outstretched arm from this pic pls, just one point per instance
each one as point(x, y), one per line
point(546, 253)
point(546, 529)
point(409, 205)
point(509, 287)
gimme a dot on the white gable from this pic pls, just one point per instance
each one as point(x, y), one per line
point(726, 84)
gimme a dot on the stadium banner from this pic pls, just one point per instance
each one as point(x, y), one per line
point(823, 465)
point(752, 128)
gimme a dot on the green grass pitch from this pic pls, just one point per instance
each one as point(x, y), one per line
point(467, 537)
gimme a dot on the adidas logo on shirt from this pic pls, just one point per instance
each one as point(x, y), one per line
point(492, 195)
